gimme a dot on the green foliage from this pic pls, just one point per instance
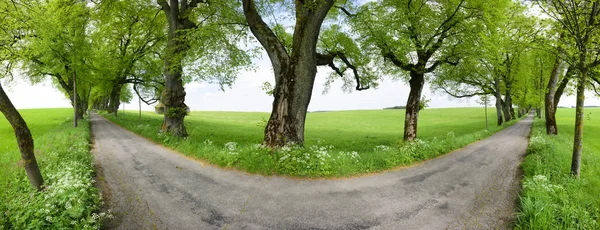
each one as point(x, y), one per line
point(68, 200)
point(174, 112)
point(219, 46)
point(424, 103)
point(503, 51)
point(336, 144)
point(551, 198)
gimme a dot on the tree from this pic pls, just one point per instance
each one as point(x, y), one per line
point(10, 35)
point(579, 21)
point(491, 65)
point(57, 45)
point(295, 58)
point(131, 32)
point(205, 32)
point(417, 37)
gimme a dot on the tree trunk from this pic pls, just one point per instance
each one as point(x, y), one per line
point(79, 106)
point(551, 90)
point(294, 74)
point(498, 97)
point(519, 112)
point(561, 88)
point(292, 96)
point(24, 139)
point(579, 116)
point(508, 112)
point(173, 96)
point(115, 99)
point(417, 80)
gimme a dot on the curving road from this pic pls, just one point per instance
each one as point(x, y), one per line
point(150, 187)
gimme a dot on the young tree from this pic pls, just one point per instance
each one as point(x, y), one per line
point(417, 37)
point(580, 24)
point(295, 58)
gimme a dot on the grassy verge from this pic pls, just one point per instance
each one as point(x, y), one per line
point(68, 199)
point(337, 143)
point(551, 198)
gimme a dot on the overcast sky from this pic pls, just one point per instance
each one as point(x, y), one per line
point(246, 95)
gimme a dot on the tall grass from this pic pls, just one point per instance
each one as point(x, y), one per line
point(68, 199)
point(337, 143)
point(551, 198)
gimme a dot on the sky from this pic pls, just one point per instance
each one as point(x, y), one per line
point(246, 95)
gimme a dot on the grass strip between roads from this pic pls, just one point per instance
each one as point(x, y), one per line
point(339, 144)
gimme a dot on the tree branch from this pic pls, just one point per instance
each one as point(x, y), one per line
point(327, 59)
point(269, 41)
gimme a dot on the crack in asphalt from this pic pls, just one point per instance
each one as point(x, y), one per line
point(152, 187)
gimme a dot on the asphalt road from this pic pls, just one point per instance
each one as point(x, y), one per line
point(150, 187)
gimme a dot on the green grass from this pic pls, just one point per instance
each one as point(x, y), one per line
point(68, 199)
point(551, 198)
point(339, 143)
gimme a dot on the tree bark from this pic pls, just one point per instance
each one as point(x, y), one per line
point(115, 99)
point(508, 111)
point(291, 99)
point(294, 74)
point(551, 90)
point(79, 107)
point(579, 116)
point(561, 87)
point(498, 97)
point(173, 96)
point(417, 80)
point(24, 139)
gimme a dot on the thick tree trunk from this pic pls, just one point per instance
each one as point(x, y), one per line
point(508, 110)
point(24, 139)
point(294, 73)
point(505, 112)
point(292, 96)
point(498, 97)
point(417, 80)
point(551, 90)
point(579, 116)
point(173, 96)
point(80, 109)
point(115, 99)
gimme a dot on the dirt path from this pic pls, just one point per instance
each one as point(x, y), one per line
point(152, 187)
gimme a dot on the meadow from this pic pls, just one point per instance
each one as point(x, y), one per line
point(68, 199)
point(551, 198)
point(339, 143)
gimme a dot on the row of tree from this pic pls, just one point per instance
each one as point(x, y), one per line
point(96, 51)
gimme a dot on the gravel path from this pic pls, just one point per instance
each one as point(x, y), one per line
point(150, 187)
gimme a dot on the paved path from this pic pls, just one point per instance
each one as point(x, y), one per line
point(151, 187)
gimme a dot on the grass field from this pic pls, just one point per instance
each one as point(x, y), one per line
point(338, 143)
point(551, 198)
point(68, 199)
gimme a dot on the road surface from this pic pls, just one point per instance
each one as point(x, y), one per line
point(150, 187)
